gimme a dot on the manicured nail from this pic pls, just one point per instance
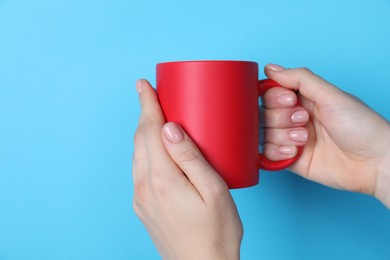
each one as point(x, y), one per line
point(300, 117)
point(173, 133)
point(298, 135)
point(139, 86)
point(274, 67)
point(288, 150)
point(286, 100)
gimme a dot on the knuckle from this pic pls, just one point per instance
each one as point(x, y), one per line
point(355, 98)
point(160, 186)
point(138, 162)
point(137, 208)
point(272, 135)
point(275, 118)
point(189, 155)
point(304, 71)
point(138, 135)
point(270, 151)
point(217, 191)
point(137, 159)
point(150, 126)
point(140, 197)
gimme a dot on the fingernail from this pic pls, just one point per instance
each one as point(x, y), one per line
point(173, 133)
point(298, 135)
point(138, 85)
point(288, 150)
point(274, 67)
point(286, 100)
point(300, 117)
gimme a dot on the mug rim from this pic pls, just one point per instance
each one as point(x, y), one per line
point(205, 61)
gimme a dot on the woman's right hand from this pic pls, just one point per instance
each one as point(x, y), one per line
point(349, 144)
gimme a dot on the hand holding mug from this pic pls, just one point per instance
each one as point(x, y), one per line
point(184, 204)
point(349, 144)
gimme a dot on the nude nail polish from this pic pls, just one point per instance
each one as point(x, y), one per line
point(298, 135)
point(138, 86)
point(173, 133)
point(274, 67)
point(286, 100)
point(300, 117)
point(288, 150)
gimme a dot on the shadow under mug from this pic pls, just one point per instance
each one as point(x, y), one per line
point(216, 103)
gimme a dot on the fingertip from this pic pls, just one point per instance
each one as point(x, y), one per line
point(299, 135)
point(300, 117)
point(274, 68)
point(287, 100)
point(275, 152)
point(173, 133)
point(145, 90)
point(139, 86)
point(143, 85)
point(150, 107)
point(288, 150)
point(279, 98)
point(281, 75)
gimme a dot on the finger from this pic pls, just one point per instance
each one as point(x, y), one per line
point(190, 160)
point(279, 97)
point(150, 125)
point(150, 108)
point(286, 137)
point(277, 152)
point(151, 119)
point(309, 84)
point(285, 117)
point(140, 158)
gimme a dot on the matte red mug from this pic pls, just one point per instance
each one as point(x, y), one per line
point(216, 103)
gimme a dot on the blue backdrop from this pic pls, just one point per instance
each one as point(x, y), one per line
point(69, 109)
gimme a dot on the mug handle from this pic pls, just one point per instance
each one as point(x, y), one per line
point(265, 163)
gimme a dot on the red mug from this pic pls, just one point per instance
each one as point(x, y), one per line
point(216, 103)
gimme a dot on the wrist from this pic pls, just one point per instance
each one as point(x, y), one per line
point(214, 256)
point(382, 189)
point(223, 255)
point(232, 253)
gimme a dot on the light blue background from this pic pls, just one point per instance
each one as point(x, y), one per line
point(69, 109)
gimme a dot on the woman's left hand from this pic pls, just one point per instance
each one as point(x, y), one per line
point(183, 203)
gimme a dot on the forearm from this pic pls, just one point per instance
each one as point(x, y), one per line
point(206, 254)
point(382, 190)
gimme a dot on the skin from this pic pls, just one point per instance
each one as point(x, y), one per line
point(187, 208)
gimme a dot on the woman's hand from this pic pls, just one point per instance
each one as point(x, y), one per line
point(183, 203)
point(348, 144)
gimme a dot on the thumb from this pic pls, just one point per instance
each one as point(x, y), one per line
point(190, 160)
point(309, 85)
